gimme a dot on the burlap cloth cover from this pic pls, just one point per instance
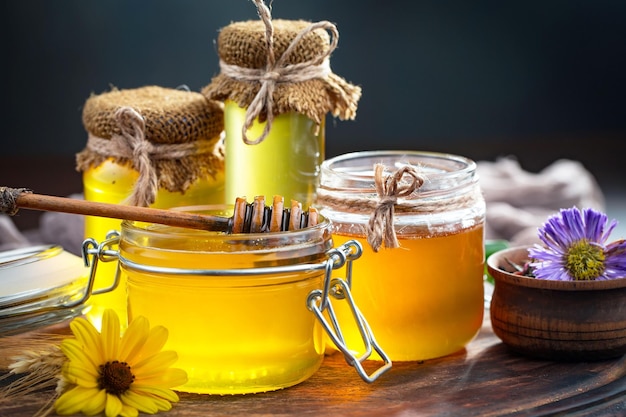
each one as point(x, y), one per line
point(187, 122)
point(244, 44)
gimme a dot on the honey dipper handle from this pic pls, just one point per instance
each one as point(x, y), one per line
point(13, 198)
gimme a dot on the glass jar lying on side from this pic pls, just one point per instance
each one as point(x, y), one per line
point(244, 311)
point(423, 299)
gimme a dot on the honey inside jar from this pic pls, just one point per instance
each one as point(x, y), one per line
point(420, 301)
point(110, 182)
point(236, 317)
point(278, 165)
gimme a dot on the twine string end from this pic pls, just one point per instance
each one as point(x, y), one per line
point(8, 199)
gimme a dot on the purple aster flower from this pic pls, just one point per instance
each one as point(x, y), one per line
point(576, 248)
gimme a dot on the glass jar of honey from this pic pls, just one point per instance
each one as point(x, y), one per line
point(287, 162)
point(245, 312)
point(423, 298)
point(277, 87)
point(149, 146)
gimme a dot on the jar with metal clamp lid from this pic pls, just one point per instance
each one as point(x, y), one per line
point(245, 312)
point(149, 146)
point(420, 217)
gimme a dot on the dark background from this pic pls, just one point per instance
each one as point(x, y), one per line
point(539, 80)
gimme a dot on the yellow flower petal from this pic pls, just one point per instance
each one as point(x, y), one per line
point(110, 335)
point(134, 339)
point(128, 411)
point(75, 352)
point(113, 406)
point(78, 375)
point(156, 340)
point(72, 401)
point(164, 393)
point(170, 378)
point(154, 364)
point(160, 403)
point(95, 405)
point(89, 337)
point(143, 404)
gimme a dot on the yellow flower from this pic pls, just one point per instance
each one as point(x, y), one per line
point(118, 375)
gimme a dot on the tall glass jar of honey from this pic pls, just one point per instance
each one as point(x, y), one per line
point(277, 87)
point(420, 217)
point(149, 146)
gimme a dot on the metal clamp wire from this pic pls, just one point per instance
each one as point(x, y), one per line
point(337, 338)
point(336, 259)
point(101, 253)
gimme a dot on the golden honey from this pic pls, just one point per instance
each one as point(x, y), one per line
point(236, 317)
point(429, 303)
point(423, 299)
point(286, 163)
point(111, 182)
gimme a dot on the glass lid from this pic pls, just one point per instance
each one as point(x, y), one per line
point(36, 285)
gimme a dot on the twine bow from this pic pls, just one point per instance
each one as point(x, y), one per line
point(132, 144)
point(277, 71)
point(389, 188)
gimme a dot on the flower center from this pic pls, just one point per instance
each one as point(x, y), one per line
point(584, 261)
point(115, 377)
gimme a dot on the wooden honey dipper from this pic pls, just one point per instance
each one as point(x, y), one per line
point(253, 217)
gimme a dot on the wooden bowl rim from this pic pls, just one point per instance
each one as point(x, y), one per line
point(513, 253)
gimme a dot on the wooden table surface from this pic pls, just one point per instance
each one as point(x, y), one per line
point(486, 379)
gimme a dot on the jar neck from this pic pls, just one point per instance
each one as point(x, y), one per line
point(444, 182)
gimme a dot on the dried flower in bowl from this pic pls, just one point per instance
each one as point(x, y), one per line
point(563, 301)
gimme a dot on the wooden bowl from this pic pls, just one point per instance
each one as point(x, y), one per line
point(556, 320)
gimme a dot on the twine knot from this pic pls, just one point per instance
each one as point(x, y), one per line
point(271, 76)
point(278, 71)
point(389, 188)
point(132, 126)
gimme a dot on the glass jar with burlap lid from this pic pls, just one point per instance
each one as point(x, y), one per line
point(277, 86)
point(149, 146)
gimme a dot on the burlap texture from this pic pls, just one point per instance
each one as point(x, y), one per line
point(171, 117)
point(243, 44)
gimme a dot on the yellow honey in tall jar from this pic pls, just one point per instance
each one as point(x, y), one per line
point(286, 163)
point(149, 146)
point(277, 88)
point(236, 317)
point(424, 298)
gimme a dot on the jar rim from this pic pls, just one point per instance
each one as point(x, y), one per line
point(353, 172)
point(259, 242)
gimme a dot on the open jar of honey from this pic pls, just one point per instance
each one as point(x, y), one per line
point(245, 312)
point(423, 298)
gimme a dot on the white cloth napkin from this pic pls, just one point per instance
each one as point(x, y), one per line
point(518, 201)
